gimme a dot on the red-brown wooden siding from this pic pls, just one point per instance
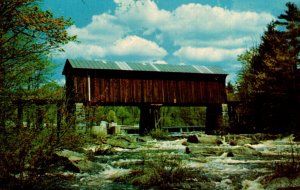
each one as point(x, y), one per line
point(122, 91)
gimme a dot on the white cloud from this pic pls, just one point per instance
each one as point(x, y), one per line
point(134, 45)
point(196, 23)
point(103, 30)
point(207, 54)
point(143, 13)
point(140, 30)
point(85, 51)
point(192, 24)
point(226, 42)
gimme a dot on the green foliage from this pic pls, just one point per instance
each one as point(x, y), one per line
point(27, 153)
point(183, 116)
point(165, 171)
point(267, 82)
point(170, 116)
point(158, 134)
point(122, 113)
point(111, 116)
point(27, 35)
point(289, 168)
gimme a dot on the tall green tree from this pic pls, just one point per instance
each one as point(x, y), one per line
point(27, 35)
point(267, 82)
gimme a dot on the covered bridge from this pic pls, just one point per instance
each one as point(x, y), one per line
point(146, 85)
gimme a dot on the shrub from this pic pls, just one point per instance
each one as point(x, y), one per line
point(289, 168)
point(164, 171)
point(27, 153)
point(158, 134)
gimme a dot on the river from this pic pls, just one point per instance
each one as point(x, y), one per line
point(215, 162)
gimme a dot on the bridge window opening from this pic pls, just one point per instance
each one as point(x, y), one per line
point(122, 116)
point(183, 119)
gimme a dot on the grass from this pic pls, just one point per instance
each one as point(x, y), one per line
point(289, 168)
point(158, 134)
point(163, 171)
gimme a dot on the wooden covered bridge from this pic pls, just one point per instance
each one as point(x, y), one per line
point(146, 85)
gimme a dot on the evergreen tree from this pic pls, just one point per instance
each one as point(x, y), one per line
point(267, 82)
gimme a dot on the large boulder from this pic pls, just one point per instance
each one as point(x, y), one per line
point(209, 139)
point(64, 162)
point(193, 139)
point(89, 166)
point(71, 155)
point(245, 150)
point(240, 140)
point(78, 162)
point(122, 142)
point(101, 149)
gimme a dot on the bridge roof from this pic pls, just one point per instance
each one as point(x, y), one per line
point(147, 67)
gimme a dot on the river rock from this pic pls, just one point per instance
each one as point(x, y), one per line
point(79, 162)
point(245, 150)
point(71, 155)
point(193, 139)
point(230, 154)
point(122, 142)
point(103, 149)
point(209, 139)
point(244, 140)
point(144, 138)
point(88, 166)
point(187, 150)
point(64, 162)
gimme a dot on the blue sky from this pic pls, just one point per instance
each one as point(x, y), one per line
point(198, 32)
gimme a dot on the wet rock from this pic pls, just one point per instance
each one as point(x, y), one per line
point(71, 155)
point(65, 163)
point(78, 162)
point(209, 139)
point(244, 140)
point(193, 139)
point(144, 138)
point(88, 166)
point(187, 150)
point(230, 154)
point(245, 150)
point(232, 143)
point(185, 143)
point(219, 142)
point(123, 142)
point(104, 149)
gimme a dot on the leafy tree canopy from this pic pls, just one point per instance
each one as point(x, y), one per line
point(27, 35)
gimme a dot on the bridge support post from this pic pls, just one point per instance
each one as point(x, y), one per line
point(59, 115)
point(71, 117)
point(20, 114)
point(213, 118)
point(149, 118)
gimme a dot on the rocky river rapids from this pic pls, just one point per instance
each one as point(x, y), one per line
point(198, 161)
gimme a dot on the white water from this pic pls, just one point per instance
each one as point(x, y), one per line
point(240, 171)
